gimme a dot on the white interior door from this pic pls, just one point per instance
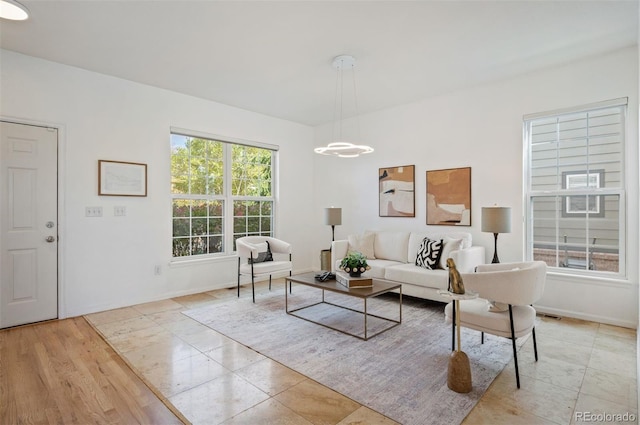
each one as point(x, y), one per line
point(29, 224)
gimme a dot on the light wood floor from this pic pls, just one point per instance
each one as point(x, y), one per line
point(63, 372)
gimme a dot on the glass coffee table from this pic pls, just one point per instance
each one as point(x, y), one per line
point(380, 286)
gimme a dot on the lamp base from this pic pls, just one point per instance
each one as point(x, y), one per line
point(495, 249)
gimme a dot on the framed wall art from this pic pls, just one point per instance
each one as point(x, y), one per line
point(397, 191)
point(117, 178)
point(449, 197)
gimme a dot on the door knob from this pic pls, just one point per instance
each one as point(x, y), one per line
point(50, 239)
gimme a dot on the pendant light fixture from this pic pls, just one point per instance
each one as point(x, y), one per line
point(340, 147)
point(11, 9)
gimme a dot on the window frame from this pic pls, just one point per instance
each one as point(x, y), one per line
point(561, 194)
point(227, 195)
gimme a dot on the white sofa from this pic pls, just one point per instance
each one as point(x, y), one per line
point(392, 256)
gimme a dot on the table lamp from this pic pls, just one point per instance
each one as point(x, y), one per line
point(496, 220)
point(333, 217)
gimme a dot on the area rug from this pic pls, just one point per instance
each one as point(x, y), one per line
point(401, 373)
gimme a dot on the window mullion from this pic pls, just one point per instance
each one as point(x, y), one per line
point(228, 196)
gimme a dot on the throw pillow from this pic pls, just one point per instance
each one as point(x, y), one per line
point(264, 253)
point(363, 244)
point(450, 244)
point(429, 253)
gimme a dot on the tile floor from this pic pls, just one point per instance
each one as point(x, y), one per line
point(584, 368)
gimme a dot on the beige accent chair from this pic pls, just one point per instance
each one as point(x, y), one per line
point(249, 248)
point(504, 307)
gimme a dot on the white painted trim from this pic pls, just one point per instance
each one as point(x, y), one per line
point(224, 139)
point(589, 317)
point(588, 278)
point(201, 261)
point(622, 101)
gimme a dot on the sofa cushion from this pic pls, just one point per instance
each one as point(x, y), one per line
point(409, 273)
point(474, 314)
point(449, 244)
point(378, 267)
point(392, 246)
point(428, 256)
point(363, 243)
point(265, 267)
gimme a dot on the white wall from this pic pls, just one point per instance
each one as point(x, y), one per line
point(482, 128)
point(109, 262)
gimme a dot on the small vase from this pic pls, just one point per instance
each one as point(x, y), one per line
point(355, 274)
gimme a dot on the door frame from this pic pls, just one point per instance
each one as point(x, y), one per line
point(61, 162)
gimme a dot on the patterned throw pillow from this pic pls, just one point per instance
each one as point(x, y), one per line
point(429, 253)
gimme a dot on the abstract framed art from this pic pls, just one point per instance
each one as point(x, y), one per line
point(397, 191)
point(449, 197)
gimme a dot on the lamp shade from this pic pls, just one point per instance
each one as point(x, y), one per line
point(496, 219)
point(333, 216)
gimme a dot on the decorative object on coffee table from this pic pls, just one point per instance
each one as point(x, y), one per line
point(459, 370)
point(355, 263)
point(346, 280)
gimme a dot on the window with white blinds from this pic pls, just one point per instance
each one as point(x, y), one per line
point(574, 174)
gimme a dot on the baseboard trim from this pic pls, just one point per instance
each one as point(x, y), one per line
point(584, 316)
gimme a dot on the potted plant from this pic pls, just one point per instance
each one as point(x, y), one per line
point(355, 263)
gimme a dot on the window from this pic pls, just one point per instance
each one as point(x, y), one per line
point(574, 183)
point(220, 191)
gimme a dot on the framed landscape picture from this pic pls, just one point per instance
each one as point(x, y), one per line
point(449, 197)
point(396, 188)
point(117, 178)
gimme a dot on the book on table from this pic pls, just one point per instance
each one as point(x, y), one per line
point(353, 282)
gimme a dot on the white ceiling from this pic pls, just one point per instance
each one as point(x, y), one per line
point(275, 57)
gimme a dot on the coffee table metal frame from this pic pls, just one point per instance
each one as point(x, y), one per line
point(380, 287)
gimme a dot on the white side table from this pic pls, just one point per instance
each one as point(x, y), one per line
point(459, 372)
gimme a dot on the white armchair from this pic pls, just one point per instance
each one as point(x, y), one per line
point(512, 288)
point(249, 249)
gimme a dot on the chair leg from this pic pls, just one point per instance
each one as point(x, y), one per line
point(253, 284)
point(453, 328)
point(481, 337)
point(513, 342)
point(535, 345)
point(269, 282)
point(238, 277)
point(253, 288)
point(285, 284)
